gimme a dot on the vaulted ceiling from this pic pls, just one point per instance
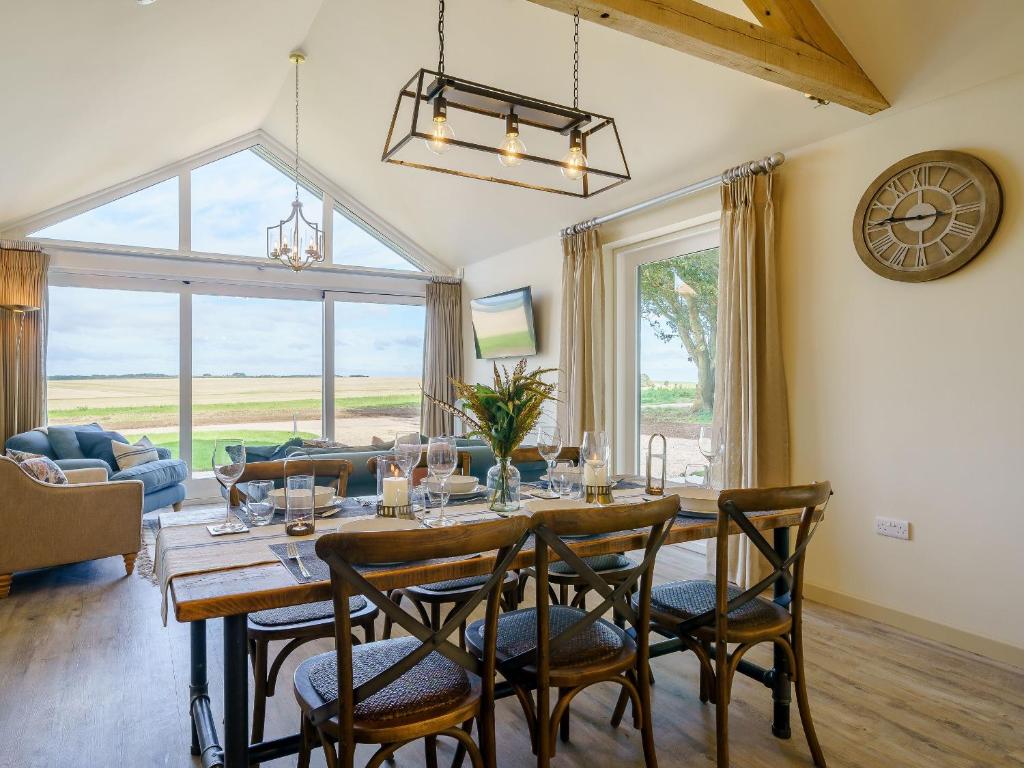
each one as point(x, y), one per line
point(100, 92)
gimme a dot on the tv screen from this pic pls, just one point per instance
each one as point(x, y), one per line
point(503, 324)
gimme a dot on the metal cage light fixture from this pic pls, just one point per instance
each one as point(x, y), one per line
point(448, 99)
point(296, 241)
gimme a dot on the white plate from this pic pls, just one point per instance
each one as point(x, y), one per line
point(324, 496)
point(367, 524)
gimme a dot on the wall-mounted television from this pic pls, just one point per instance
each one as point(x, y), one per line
point(503, 324)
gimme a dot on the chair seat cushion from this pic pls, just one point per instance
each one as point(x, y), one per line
point(686, 599)
point(455, 584)
point(298, 614)
point(155, 475)
point(598, 563)
point(431, 687)
point(517, 633)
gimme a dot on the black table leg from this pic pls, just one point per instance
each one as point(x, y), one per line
point(236, 692)
point(781, 695)
point(204, 731)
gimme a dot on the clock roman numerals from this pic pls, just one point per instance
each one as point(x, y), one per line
point(961, 229)
point(946, 251)
point(899, 256)
point(966, 208)
point(922, 257)
point(967, 183)
point(895, 188)
point(918, 177)
point(882, 244)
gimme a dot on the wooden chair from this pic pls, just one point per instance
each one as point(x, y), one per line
point(709, 616)
point(299, 624)
point(394, 692)
point(336, 469)
point(419, 472)
point(570, 648)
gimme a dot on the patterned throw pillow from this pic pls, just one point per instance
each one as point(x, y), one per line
point(128, 456)
point(41, 468)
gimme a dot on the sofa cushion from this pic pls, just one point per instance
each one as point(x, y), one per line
point(96, 445)
point(155, 475)
point(34, 441)
point(64, 440)
point(128, 456)
point(256, 453)
point(69, 464)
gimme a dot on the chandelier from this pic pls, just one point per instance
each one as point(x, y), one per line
point(296, 241)
point(575, 152)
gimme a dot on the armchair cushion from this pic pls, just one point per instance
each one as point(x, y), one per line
point(86, 475)
point(155, 475)
point(73, 464)
point(42, 468)
point(34, 441)
point(96, 445)
point(64, 440)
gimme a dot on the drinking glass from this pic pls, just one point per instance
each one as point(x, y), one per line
point(299, 501)
point(549, 443)
point(407, 451)
point(442, 458)
point(228, 462)
point(568, 481)
point(709, 444)
point(695, 474)
point(260, 501)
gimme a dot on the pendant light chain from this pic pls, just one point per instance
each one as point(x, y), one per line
point(296, 130)
point(440, 36)
point(575, 61)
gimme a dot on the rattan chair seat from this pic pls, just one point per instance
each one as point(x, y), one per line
point(431, 687)
point(683, 600)
point(598, 563)
point(297, 614)
point(517, 633)
point(456, 584)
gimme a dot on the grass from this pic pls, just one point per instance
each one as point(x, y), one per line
point(674, 415)
point(677, 393)
point(203, 442)
point(130, 416)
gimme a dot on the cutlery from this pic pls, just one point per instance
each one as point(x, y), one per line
point(292, 551)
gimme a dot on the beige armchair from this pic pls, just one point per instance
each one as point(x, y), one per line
point(43, 525)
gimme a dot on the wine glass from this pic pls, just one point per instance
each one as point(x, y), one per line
point(549, 443)
point(228, 461)
point(407, 451)
point(442, 458)
point(709, 446)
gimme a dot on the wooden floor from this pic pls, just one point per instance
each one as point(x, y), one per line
point(89, 678)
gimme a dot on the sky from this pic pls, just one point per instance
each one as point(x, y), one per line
point(234, 200)
point(96, 331)
point(663, 361)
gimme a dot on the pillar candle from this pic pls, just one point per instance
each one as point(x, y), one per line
point(595, 474)
point(396, 492)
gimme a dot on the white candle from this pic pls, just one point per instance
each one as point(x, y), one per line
point(595, 474)
point(396, 491)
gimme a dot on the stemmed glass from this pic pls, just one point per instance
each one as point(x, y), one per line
point(549, 443)
point(407, 452)
point(442, 458)
point(228, 463)
point(710, 447)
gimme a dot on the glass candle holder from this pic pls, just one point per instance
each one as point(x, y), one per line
point(392, 487)
point(299, 500)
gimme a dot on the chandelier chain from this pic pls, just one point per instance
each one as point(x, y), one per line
point(296, 130)
point(576, 61)
point(440, 36)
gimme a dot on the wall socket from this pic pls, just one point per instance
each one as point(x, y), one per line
point(893, 528)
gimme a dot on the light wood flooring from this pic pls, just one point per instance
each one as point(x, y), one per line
point(89, 678)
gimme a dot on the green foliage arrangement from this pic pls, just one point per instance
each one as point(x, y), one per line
point(505, 413)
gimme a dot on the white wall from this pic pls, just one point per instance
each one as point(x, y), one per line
point(907, 397)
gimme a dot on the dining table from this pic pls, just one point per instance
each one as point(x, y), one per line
point(225, 578)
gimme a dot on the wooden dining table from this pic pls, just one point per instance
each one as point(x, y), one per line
point(230, 593)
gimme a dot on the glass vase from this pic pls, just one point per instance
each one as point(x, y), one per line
point(503, 486)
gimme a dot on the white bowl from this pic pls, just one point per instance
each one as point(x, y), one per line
point(455, 484)
point(324, 496)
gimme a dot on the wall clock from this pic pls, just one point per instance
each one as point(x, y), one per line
point(927, 216)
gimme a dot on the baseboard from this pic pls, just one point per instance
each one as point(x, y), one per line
point(967, 641)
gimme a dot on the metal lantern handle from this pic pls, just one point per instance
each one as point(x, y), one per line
point(657, 490)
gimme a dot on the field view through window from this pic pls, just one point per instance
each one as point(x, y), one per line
point(113, 358)
point(678, 305)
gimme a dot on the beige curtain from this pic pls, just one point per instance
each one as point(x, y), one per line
point(581, 361)
point(23, 270)
point(750, 384)
point(442, 352)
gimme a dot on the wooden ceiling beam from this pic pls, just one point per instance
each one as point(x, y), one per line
point(796, 48)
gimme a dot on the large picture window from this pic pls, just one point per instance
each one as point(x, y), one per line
point(112, 358)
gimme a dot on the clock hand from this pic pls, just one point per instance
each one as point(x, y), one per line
point(895, 220)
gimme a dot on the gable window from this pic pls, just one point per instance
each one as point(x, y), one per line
point(355, 247)
point(147, 218)
point(236, 198)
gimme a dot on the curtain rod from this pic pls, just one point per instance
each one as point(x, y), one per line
point(753, 168)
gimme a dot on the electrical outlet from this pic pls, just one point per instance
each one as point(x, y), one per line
point(893, 528)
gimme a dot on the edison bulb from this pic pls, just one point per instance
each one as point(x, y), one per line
point(512, 151)
point(574, 164)
point(440, 135)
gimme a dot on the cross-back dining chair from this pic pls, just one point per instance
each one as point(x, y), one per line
point(571, 648)
point(708, 616)
point(337, 470)
point(393, 692)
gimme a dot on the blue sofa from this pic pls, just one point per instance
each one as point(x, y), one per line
point(163, 480)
